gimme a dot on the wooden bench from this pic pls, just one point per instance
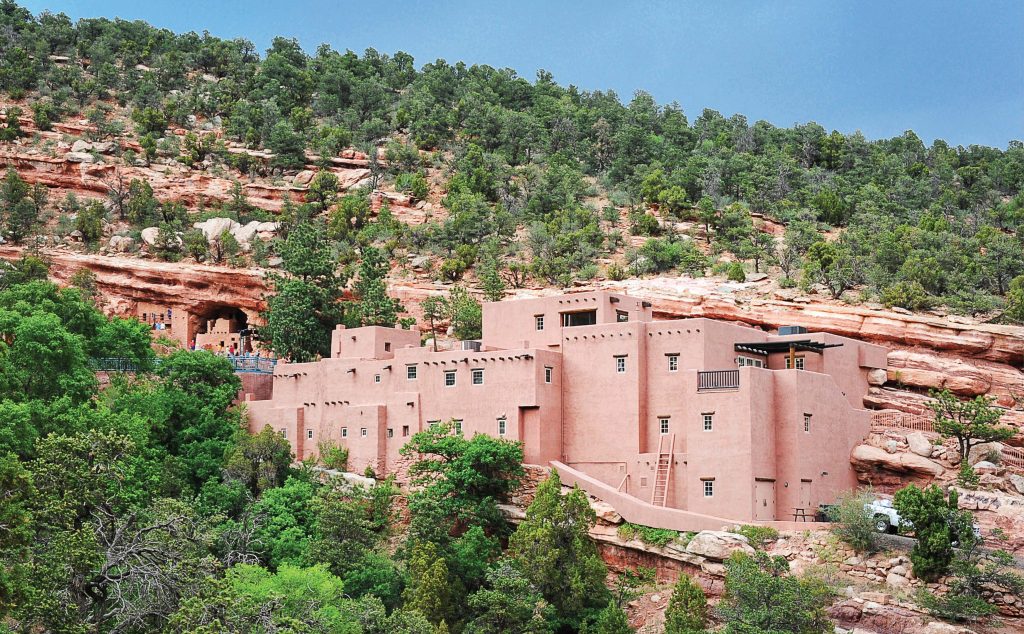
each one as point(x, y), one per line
point(799, 515)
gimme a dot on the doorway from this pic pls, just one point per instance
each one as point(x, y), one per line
point(764, 500)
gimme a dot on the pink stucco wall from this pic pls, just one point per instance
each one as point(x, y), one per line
point(564, 393)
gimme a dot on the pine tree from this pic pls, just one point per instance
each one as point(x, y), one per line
point(556, 554)
point(611, 620)
point(428, 591)
point(687, 611)
point(376, 307)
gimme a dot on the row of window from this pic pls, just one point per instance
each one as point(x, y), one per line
point(476, 375)
point(708, 420)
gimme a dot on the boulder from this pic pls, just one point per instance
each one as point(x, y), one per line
point(1017, 482)
point(605, 512)
point(245, 233)
point(268, 227)
point(920, 444)
point(874, 457)
point(212, 228)
point(149, 235)
point(303, 178)
point(981, 452)
point(986, 467)
point(121, 244)
point(718, 545)
point(896, 580)
point(877, 376)
point(81, 146)
point(79, 157)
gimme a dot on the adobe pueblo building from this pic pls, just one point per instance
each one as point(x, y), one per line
point(681, 424)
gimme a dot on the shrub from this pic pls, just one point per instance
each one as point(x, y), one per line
point(735, 273)
point(414, 184)
point(333, 456)
point(659, 537)
point(910, 295)
point(937, 524)
point(854, 524)
point(759, 536)
point(760, 596)
point(615, 272)
point(687, 608)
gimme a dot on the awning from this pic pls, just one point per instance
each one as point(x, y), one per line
point(767, 347)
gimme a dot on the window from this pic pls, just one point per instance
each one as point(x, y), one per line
point(742, 361)
point(621, 315)
point(284, 432)
point(547, 374)
point(539, 321)
point(376, 378)
point(344, 432)
point(799, 363)
point(387, 346)
point(581, 318)
point(405, 430)
point(620, 364)
point(309, 434)
point(410, 372)
point(391, 433)
point(663, 423)
point(709, 488)
point(807, 423)
point(449, 378)
point(433, 423)
point(362, 432)
point(501, 426)
point(478, 376)
point(673, 362)
point(709, 421)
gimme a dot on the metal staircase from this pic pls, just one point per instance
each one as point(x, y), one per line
point(662, 471)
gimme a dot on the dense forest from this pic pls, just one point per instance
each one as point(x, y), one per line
point(535, 175)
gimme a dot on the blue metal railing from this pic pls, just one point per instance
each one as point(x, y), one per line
point(241, 363)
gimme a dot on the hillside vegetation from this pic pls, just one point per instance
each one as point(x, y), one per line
point(538, 181)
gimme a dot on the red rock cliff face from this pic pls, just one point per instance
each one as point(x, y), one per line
point(196, 288)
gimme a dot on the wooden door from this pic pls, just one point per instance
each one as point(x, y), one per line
point(764, 500)
point(805, 496)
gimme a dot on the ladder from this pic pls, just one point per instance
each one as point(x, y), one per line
point(662, 471)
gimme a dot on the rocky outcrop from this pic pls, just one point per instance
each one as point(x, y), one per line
point(197, 288)
point(718, 545)
point(874, 465)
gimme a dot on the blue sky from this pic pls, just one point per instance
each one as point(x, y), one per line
point(946, 70)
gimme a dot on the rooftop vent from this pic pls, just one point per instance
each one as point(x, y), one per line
point(470, 345)
point(792, 330)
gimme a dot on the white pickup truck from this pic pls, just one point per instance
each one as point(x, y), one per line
point(888, 520)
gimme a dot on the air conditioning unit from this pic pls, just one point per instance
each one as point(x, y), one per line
point(469, 345)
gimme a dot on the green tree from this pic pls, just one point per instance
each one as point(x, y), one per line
point(1015, 300)
point(760, 596)
point(508, 603)
point(463, 479)
point(16, 531)
point(259, 461)
point(687, 611)
point(375, 307)
point(288, 146)
point(832, 264)
point(90, 221)
point(322, 190)
point(552, 547)
point(428, 591)
point(611, 620)
point(970, 422)
point(937, 525)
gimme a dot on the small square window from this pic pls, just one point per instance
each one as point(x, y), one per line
point(344, 432)
point(620, 364)
point(673, 362)
point(663, 423)
point(449, 378)
point(709, 421)
point(539, 321)
point(410, 372)
point(391, 433)
point(387, 346)
point(478, 376)
point(309, 434)
point(433, 423)
point(501, 426)
point(709, 488)
point(405, 430)
point(807, 423)
point(362, 432)
point(547, 374)
point(376, 378)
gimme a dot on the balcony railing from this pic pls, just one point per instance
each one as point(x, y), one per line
point(718, 380)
